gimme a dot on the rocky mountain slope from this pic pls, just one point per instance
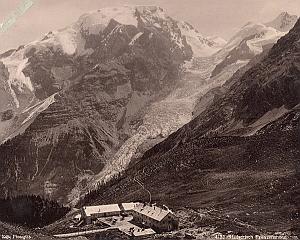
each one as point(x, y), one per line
point(239, 158)
point(264, 93)
point(73, 98)
point(247, 46)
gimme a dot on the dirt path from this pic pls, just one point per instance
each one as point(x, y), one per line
point(83, 233)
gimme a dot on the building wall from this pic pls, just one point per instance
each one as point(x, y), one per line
point(107, 214)
point(169, 223)
point(89, 219)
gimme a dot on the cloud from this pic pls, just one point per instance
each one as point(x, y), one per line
point(272, 8)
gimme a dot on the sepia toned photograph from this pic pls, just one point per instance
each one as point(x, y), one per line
point(149, 119)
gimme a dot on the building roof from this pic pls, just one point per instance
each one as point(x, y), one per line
point(90, 210)
point(153, 212)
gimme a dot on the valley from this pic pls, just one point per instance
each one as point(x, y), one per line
point(161, 119)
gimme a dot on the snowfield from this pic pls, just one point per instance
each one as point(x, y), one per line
point(201, 46)
point(96, 21)
point(268, 35)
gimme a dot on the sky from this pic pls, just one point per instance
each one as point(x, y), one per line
point(211, 17)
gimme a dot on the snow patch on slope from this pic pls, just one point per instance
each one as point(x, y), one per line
point(267, 36)
point(15, 65)
point(267, 118)
point(68, 39)
point(136, 37)
point(38, 108)
point(68, 42)
point(177, 39)
point(23, 81)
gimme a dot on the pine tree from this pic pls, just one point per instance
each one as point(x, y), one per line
point(30, 211)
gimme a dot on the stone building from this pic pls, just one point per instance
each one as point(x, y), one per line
point(91, 213)
point(159, 219)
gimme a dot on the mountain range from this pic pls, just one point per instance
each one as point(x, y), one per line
point(74, 96)
point(132, 92)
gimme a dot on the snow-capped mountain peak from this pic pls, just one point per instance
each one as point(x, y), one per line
point(252, 39)
point(102, 30)
point(284, 22)
point(95, 22)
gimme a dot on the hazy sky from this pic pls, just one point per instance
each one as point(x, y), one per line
point(211, 17)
